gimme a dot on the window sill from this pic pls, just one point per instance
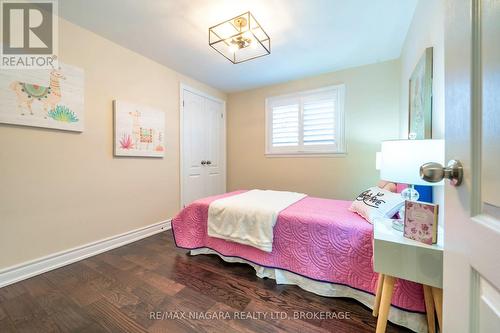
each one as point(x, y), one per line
point(306, 154)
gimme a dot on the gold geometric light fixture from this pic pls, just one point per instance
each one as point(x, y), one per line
point(240, 39)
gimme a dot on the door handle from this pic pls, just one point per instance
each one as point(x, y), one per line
point(434, 172)
point(209, 162)
point(203, 162)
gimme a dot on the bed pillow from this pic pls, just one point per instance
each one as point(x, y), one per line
point(389, 186)
point(376, 202)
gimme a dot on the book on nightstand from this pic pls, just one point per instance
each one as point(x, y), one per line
point(421, 221)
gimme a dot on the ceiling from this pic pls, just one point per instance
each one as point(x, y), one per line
point(308, 37)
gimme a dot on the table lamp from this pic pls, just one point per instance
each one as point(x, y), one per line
point(401, 160)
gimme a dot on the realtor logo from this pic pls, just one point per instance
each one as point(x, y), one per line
point(29, 34)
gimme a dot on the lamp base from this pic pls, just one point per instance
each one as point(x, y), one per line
point(410, 193)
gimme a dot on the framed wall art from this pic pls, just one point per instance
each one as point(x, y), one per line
point(420, 98)
point(51, 98)
point(139, 130)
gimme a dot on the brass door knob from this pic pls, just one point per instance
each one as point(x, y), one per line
point(433, 172)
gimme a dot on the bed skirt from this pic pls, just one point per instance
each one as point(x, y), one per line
point(412, 320)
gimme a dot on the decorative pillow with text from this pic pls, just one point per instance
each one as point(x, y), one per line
point(376, 202)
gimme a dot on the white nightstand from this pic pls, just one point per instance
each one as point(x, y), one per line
point(398, 257)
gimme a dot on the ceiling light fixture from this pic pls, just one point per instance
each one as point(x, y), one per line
point(240, 39)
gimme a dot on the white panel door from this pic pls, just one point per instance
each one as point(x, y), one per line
point(203, 146)
point(472, 221)
point(215, 147)
point(194, 147)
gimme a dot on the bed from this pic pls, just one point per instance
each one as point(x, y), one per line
point(318, 245)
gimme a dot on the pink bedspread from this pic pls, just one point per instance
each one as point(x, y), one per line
point(317, 238)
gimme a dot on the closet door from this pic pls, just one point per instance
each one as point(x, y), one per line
point(203, 147)
point(194, 146)
point(215, 182)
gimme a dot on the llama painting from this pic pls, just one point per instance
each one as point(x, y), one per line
point(139, 130)
point(43, 98)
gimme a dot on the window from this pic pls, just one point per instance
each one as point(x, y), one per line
point(306, 123)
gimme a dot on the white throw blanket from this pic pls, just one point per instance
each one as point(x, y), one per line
point(249, 218)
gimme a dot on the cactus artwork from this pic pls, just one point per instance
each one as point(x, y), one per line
point(63, 113)
point(126, 142)
point(139, 130)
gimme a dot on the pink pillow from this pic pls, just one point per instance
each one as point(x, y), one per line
point(400, 187)
point(391, 187)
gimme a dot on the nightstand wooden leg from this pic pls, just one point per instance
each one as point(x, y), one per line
point(429, 308)
point(385, 303)
point(437, 294)
point(378, 295)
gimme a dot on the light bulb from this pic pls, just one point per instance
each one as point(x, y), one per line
point(233, 48)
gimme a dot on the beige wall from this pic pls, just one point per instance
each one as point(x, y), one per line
point(426, 30)
point(372, 115)
point(61, 189)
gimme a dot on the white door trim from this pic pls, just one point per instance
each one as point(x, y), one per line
point(183, 87)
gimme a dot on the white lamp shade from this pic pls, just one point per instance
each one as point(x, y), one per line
point(402, 159)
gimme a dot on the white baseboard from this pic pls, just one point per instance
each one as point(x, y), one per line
point(28, 269)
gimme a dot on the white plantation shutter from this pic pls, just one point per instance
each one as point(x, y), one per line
point(319, 122)
point(309, 122)
point(285, 125)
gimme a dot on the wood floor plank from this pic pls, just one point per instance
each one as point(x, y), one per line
point(3, 315)
point(38, 285)
point(209, 284)
point(114, 275)
point(86, 293)
point(44, 324)
point(137, 282)
point(6, 325)
point(117, 261)
point(27, 315)
point(359, 318)
point(149, 294)
point(60, 308)
point(12, 291)
point(70, 319)
point(149, 262)
point(188, 302)
point(110, 317)
point(172, 326)
point(160, 282)
point(240, 323)
point(119, 297)
point(94, 327)
point(72, 275)
point(285, 324)
point(140, 313)
point(22, 308)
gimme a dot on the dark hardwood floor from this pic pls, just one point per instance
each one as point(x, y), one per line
point(140, 286)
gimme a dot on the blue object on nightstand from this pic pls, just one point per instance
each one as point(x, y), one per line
point(425, 193)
